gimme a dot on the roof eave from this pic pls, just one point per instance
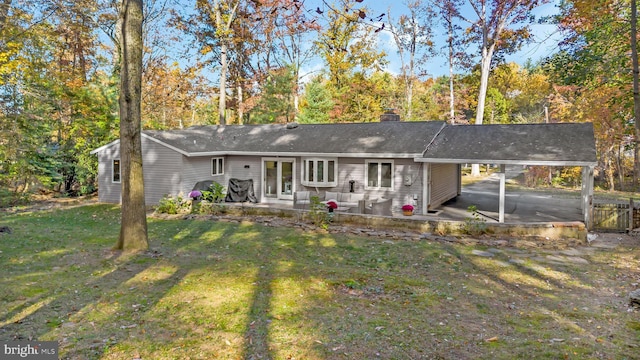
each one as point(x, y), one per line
point(305, 154)
point(103, 147)
point(507, 162)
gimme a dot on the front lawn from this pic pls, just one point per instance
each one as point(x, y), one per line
point(239, 290)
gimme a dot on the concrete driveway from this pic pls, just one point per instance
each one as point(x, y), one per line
point(520, 206)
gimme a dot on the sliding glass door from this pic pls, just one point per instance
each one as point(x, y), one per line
point(278, 178)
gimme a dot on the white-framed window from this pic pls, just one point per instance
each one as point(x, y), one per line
point(320, 172)
point(217, 166)
point(115, 171)
point(378, 174)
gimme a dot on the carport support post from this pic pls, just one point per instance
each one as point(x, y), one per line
point(502, 176)
point(587, 195)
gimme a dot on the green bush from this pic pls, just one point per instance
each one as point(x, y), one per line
point(215, 194)
point(319, 214)
point(170, 204)
point(474, 225)
point(210, 208)
point(10, 198)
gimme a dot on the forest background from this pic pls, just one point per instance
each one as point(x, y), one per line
point(275, 61)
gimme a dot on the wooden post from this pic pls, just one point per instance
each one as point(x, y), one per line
point(630, 215)
point(587, 196)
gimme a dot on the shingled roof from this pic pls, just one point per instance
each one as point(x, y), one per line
point(557, 144)
point(383, 139)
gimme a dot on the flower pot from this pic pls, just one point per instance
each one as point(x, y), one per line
point(407, 212)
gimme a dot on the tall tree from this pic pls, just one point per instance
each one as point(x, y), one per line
point(413, 36)
point(597, 52)
point(214, 30)
point(498, 25)
point(133, 228)
point(350, 52)
point(636, 89)
point(447, 10)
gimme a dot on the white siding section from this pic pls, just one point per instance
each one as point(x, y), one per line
point(444, 183)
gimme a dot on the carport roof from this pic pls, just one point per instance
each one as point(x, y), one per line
point(555, 144)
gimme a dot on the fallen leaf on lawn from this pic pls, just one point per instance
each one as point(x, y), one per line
point(378, 328)
point(557, 340)
point(227, 342)
point(493, 339)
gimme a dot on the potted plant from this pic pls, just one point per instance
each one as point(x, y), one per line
point(407, 209)
point(196, 197)
point(195, 194)
point(332, 205)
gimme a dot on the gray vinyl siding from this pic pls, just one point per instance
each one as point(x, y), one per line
point(412, 193)
point(199, 169)
point(108, 191)
point(169, 172)
point(354, 169)
point(162, 168)
point(444, 183)
point(235, 168)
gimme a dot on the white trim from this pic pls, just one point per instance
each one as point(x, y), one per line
point(221, 168)
point(366, 174)
point(304, 171)
point(506, 162)
point(114, 142)
point(119, 171)
point(305, 154)
point(426, 188)
point(279, 193)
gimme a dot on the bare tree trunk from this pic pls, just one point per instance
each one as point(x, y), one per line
point(222, 104)
point(636, 91)
point(240, 104)
point(224, 66)
point(133, 228)
point(452, 113)
point(485, 69)
point(409, 98)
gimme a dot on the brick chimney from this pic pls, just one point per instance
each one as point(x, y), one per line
point(389, 115)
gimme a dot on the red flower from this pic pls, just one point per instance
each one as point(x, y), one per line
point(332, 204)
point(407, 207)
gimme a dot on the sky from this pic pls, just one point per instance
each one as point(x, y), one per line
point(545, 38)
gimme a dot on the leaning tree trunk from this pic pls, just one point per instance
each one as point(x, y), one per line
point(133, 228)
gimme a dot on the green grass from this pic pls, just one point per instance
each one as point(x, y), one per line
point(224, 290)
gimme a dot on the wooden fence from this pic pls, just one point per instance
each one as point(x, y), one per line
point(615, 215)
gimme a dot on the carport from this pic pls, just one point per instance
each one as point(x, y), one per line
point(555, 144)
